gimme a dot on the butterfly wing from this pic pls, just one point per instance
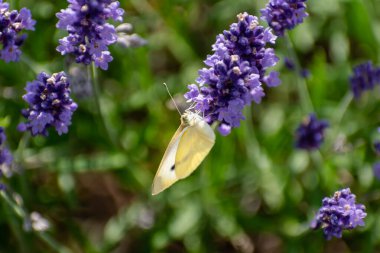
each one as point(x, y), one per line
point(166, 175)
point(195, 143)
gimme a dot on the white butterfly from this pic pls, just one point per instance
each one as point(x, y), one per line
point(188, 147)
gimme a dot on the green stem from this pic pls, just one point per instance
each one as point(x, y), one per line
point(253, 149)
point(15, 227)
point(12, 5)
point(340, 112)
point(19, 157)
point(53, 243)
point(35, 67)
point(96, 90)
point(16, 208)
point(317, 158)
point(21, 212)
point(307, 104)
point(19, 153)
point(342, 108)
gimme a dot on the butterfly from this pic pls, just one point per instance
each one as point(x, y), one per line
point(188, 147)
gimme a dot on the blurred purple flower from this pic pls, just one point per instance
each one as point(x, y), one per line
point(234, 73)
point(376, 145)
point(5, 155)
point(12, 23)
point(289, 63)
point(339, 213)
point(49, 104)
point(305, 73)
point(80, 82)
point(376, 170)
point(283, 15)
point(310, 133)
point(89, 34)
point(365, 77)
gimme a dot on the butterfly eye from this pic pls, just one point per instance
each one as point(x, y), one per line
point(172, 168)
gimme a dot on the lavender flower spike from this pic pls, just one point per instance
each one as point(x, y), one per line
point(12, 23)
point(235, 72)
point(89, 34)
point(5, 156)
point(365, 77)
point(376, 170)
point(310, 133)
point(283, 15)
point(49, 104)
point(339, 213)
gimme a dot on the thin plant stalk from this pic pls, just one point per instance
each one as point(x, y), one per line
point(253, 146)
point(35, 67)
point(22, 213)
point(15, 227)
point(342, 108)
point(307, 104)
point(19, 158)
point(12, 4)
point(96, 90)
point(340, 112)
point(53, 243)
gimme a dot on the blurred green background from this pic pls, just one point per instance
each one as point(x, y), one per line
point(253, 193)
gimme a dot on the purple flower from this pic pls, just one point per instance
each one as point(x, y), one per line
point(234, 73)
point(284, 15)
point(289, 63)
point(376, 170)
point(376, 145)
point(49, 104)
point(5, 155)
point(310, 133)
point(89, 34)
point(339, 213)
point(365, 77)
point(305, 73)
point(12, 23)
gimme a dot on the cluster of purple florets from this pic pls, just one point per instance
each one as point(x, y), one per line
point(376, 170)
point(89, 34)
point(290, 64)
point(310, 133)
point(365, 77)
point(5, 155)
point(12, 23)
point(339, 213)
point(235, 72)
point(376, 166)
point(232, 79)
point(49, 104)
point(376, 146)
point(283, 15)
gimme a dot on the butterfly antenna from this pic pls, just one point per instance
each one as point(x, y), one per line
point(192, 106)
point(175, 104)
point(209, 114)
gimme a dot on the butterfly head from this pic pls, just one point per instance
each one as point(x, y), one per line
point(190, 118)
